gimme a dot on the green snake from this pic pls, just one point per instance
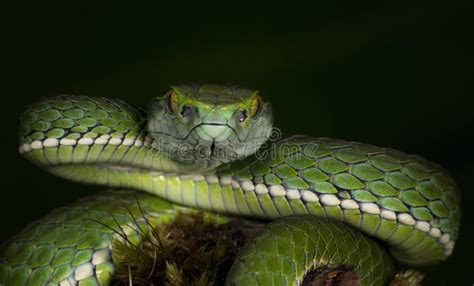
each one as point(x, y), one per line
point(332, 202)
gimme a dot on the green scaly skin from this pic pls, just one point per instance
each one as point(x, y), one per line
point(342, 193)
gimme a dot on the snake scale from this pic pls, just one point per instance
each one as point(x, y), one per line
point(332, 202)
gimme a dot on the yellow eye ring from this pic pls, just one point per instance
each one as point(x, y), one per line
point(256, 106)
point(172, 101)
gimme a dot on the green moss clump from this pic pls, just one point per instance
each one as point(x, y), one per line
point(409, 277)
point(193, 249)
point(198, 248)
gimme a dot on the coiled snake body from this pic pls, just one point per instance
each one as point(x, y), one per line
point(197, 146)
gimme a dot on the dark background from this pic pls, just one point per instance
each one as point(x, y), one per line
point(394, 73)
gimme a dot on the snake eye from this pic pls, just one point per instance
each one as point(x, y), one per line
point(241, 115)
point(172, 102)
point(256, 106)
point(186, 111)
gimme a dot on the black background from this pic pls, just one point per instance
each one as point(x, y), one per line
point(394, 73)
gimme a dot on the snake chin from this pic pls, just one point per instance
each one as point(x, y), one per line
point(204, 153)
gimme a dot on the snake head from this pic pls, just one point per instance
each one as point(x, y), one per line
point(209, 124)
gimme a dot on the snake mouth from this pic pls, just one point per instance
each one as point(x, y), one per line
point(214, 141)
point(204, 125)
point(212, 131)
point(204, 142)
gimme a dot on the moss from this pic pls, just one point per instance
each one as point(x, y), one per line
point(408, 277)
point(331, 276)
point(193, 249)
point(198, 248)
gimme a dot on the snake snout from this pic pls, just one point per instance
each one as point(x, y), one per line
point(214, 132)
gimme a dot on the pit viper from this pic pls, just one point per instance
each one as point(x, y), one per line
point(214, 148)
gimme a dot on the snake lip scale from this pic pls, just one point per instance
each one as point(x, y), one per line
point(326, 202)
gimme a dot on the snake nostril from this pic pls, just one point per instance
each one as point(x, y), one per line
point(241, 115)
point(186, 111)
